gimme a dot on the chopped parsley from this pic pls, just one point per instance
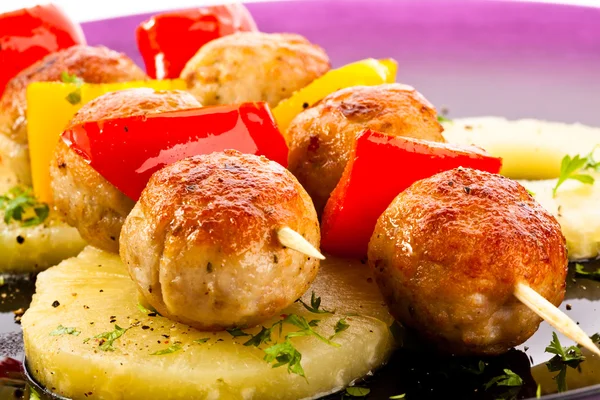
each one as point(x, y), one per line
point(171, 349)
point(201, 341)
point(285, 354)
point(21, 206)
point(315, 304)
point(33, 394)
point(63, 330)
point(236, 332)
point(570, 168)
point(538, 392)
point(75, 96)
point(581, 272)
point(478, 370)
point(357, 391)
point(107, 339)
point(264, 336)
point(441, 118)
point(508, 379)
point(305, 329)
point(564, 357)
point(398, 396)
point(340, 326)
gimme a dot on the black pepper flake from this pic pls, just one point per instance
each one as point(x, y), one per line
point(450, 183)
point(209, 267)
point(113, 321)
point(467, 189)
point(569, 307)
point(62, 165)
point(20, 239)
point(144, 327)
point(219, 340)
point(152, 314)
point(113, 238)
point(55, 303)
point(126, 129)
point(101, 290)
point(275, 258)
point(165, 336)
point(305, 105)
point(86, 307)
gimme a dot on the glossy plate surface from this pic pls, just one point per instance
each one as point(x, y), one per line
point(475, 58)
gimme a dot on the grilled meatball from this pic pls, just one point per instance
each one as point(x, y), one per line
point(253, 66)
point(201, 243)
point(88, 201)
point(321, 138)
point(448, 251)
point(92, 64)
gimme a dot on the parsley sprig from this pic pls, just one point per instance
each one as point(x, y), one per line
point(63, 330)
point(357, 391)
point(107, 339)
point(315, 304)
point(171, 349)
point(581, 272)
point(20, 205)
point(564, 357)
point(75, 96)
point(509, 378)
point(571, 167)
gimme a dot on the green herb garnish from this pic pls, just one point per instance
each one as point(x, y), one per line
point(398, 396)
point(315, 303)
point(75, 96)
point(581, 272)
point(538, 392)
point(479, 370)
point(305, 329)
point(20, 205)
point(508, 379)
point(357, 391)
point(63, 330)
point(441, 118)
point(33, 394)
point(285, 354)
point(565, 357)
point(569, 169)
point(171, 349)
point(236, 332)
point(340, 326)
point(264, 336)
point(107, 339)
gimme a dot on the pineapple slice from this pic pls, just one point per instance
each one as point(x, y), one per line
point(156, 358)
point(576, 210)
point(530, 149)
point(34, 248)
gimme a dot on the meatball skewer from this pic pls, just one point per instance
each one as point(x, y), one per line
point(468, 258)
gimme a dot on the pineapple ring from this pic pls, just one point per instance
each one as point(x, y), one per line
point(34, 248)
point(530, 149)
point(93, 292)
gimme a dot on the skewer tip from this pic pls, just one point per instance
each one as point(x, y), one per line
point(292, 239)
point(551, 314)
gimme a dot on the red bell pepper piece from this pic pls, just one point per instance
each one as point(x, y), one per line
point(380, 168)
point(167, 41)
point(127, 151)
point(30, 34)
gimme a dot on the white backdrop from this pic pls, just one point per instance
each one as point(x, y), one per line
point(86, 10)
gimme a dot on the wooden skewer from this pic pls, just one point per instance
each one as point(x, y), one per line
point(292, 239)
point(552, 315)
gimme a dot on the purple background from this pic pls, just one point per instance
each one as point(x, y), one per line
point(474, 57)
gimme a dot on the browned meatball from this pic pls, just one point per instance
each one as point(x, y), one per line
point(253, 66)
point(321, 138)
point(449, 250)
point(92, 64)
point(201, 243)
point(88, 201)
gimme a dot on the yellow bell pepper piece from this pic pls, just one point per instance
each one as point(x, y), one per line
point(368, 72)
point(49, 112)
